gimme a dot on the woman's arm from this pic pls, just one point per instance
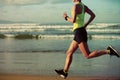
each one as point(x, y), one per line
point(92, 16)
point(73, 18)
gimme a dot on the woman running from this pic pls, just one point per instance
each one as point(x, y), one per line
point(80, 36)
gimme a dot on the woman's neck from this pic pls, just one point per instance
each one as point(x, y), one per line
point(77, 2)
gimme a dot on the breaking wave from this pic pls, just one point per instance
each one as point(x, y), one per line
point(29, 31)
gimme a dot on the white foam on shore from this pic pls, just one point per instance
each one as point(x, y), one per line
point(98, 30)
point(67, 36)
point(105, 37)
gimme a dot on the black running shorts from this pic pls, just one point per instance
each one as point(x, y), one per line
point(80, 35)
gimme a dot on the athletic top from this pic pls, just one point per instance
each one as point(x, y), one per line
point(79, 19)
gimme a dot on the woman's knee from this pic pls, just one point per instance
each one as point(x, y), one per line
point(87, 56)
point(91, 55)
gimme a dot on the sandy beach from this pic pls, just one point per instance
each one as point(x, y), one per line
point(43, 77)
point(31, 57)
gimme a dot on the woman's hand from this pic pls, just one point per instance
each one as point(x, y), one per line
point(64, 14)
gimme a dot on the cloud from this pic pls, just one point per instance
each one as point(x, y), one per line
point(51, 10)
point(22, 2)
point(31, 2)
point(61, 1)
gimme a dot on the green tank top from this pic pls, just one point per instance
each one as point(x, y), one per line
point(79, 19)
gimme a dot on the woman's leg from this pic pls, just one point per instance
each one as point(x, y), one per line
point(69, 55)
point(85, 50)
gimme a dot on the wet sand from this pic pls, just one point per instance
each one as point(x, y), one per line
point(43, 77)
point(32, 62)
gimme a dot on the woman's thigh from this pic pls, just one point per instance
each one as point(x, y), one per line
point(73, 47)
point(84, 48)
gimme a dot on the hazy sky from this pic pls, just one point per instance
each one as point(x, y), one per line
point(50, 11)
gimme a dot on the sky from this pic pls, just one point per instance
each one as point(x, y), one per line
point(51, 11)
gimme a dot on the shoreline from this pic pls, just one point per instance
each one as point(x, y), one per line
point(53, 77)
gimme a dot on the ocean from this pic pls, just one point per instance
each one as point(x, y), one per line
point(36, 49)
point(98, 30)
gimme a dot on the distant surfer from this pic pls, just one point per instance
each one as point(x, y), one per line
point(80, 36)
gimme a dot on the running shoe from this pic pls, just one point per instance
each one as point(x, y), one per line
point(113, 52)
point(61, 73)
